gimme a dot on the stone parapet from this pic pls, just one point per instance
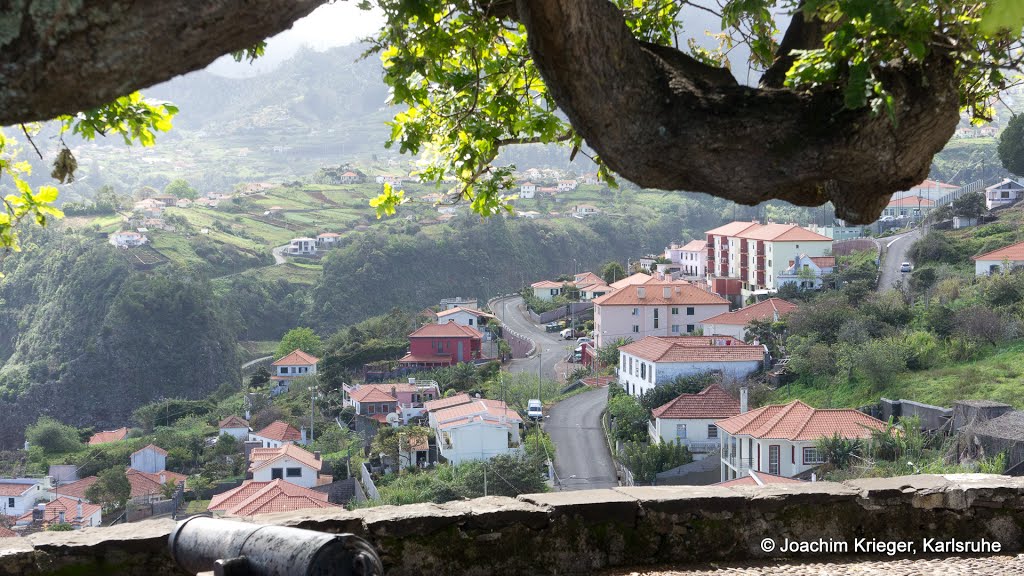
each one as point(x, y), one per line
point(582, 531)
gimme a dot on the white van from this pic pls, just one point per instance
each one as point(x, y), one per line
point(534, 409)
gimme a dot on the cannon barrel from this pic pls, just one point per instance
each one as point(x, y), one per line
point(230, 548)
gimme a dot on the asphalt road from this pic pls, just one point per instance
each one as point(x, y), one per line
point(582, 459)
point(279, 255)
point(895, 254)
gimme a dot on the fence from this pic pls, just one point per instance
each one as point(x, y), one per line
point(367, 481)
point(573, 309)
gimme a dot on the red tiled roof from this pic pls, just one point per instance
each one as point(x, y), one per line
point(1013, 253)
point(442, 403)
point(7, 533)
point(152, 447)
point(260, 457)
point(382, 418)
point(233, 422)
point(68, 506)
point(329, 235)
point(77, 488)
point(711, 402)
point(108, 436)
point(764, 477)
point(824, 261)
point(547, 284)
point(638, 278)
point(764, 310)
point(782, 233)
point(695, 246)
point(798, 421)
point(280, 431)
point(411, 358)
point(680, 294)
point(678, 349)
point(913, 201)
point(584, 279)
point(297, 358)
point(371, 394)
point(449, 329)
point(145, 483)
point(928, 183)
point(479, 410)
point(15, 489)
point(457, 309)
point(253, 498)
point(731, 229)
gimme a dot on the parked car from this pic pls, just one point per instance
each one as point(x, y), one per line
point(906, 267)
point(567, 334)
point(584, 340)
point(534, 409)
point(886, 219)
point(552, 327)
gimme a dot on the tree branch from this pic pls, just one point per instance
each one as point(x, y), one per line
point(69, 56)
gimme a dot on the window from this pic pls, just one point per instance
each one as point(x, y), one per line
point(636, 311)
point(470, 322)
point(10, 502)
point(440, 346)
point(773, 459)
point(675, 311)
point(643, 371)
point(689, 327)
point(812, 456)
point(277, 473)
point(681, 431)
point(655, 318)
point(675, 328)
point(293, 472)
point(712, 431)
point(371, 408)
point(689, 310)
point(630, 365)
point(636, 328)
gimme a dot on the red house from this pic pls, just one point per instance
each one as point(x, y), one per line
point(442, 345)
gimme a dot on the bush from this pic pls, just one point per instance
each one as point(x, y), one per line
point(646, 461)
point(629, 418)
point(52, 436)
point(839, 451)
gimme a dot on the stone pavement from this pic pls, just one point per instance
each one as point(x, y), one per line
point(948, 566)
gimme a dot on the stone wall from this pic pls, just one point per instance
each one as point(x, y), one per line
point(583, 531)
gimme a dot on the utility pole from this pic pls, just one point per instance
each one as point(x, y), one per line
point(312, 396)
point(540, 376)
point(485, 477)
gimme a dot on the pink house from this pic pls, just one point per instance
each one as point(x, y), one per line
point(378, 400)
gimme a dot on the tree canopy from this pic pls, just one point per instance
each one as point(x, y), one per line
point(1011, 145)
point(852, 102)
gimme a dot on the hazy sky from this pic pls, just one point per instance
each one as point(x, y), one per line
point(328, 26)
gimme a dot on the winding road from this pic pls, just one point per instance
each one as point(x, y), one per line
point(582, 459)
point(896, 249)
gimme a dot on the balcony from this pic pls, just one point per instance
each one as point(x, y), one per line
point(740, 465)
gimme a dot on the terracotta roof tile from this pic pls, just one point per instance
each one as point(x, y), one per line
point(928, 183)
point(585, 279)
point(152, 447)
point(15, 488)
point(411, 358)
point(7, 532)
point(253, 498)
point(782, 233)
point(1013, 253)
point(261, 457)
point(233, 422)
point(280, 431)
point(371, 394)
point(448, 329)
point(824, 261)
point(798, 421)
point(680, 349)
point(711, 402)
point(457, 309)
point(763, 310)
point(731, 229)
point(77, 488)
point(146, 484)
point(479, 410)
point(442, 403)
point(910, 201)
point(695, 246)
point(68, 506)
point(547, 284)
point(108, 436)
point(680, 294)
point(297, 358)
point(638, 278)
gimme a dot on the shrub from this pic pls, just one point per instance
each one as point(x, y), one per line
point(52, 436)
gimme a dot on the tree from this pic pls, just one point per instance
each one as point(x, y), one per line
point(391, 442)
point(839, 451)
point(299, 339)
point(663, 393)
point(506, 475)
point(111, 490)
point(1011, 145)
point(612, 272)
point(646, 461)
point(970, 205)
point(180, 188)
point(260, 377)
point(52, 436)
point(168, 489)
point(884, 79)
point(629, 419)
point(608, 355)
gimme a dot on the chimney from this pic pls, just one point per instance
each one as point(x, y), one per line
point(641, 292)
point(79, 509)
point(302, 433)
point(163, 478)
point(743, 400)
point(394, 392)
point(316, 455)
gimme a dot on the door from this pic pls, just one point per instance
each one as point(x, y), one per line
point(773, 459)
point(460, 358)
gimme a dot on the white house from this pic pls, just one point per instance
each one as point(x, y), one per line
point(656, 308)
point(476, 430)
point(657, 360)
point(278, 434)
point(908, 207)
point(289, 463)
point(17, 495)
point(781, 439)
point(691, 258)
point(546, 289)
point(127, 239)
point(690, 419)
point(327, 239)
point(567, 185)
point(1003, 194)
point(252, 498)
point(1000, 260)
point(735, 323)
point(390, 179)
point(464, 316)
point(585, 210)
point(348, 178)
point(235, 426)
point(295, 365)
point(149, 208)
point(806, 272)
point(151, 459)
point(302, 247)
point(63, 510)
point(527, 190)
point(183, 203)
